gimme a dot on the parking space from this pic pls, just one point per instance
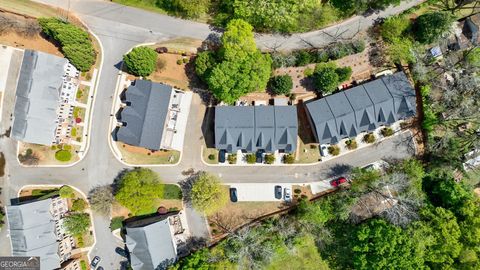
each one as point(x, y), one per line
point(259, 192)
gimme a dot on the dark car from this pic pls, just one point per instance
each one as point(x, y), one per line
point(337, 182)
point(221, 156)
point(95, 262)
point(120, 251)
point(100, 268)
point(278, 192)
point(233, 195)
point(259, 156)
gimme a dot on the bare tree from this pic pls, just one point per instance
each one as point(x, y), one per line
point(101, 199)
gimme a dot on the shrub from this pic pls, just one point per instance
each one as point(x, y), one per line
point(251, 158)
point(77, 224)
point(351, 144)
point(29, 152)
point(289, 159)
point(344, 73)
point(63, 155)
point(313, 146)
point(280, 85)
point(179, 62)
point(80, 243)
point(75, 42)
point(334, 150)
point(140, 61)
point(369, 138)
point(185, 60)
point(116, 223)
point(79, 205)
point(66, 192)
point(387, 132)
point(172, 192)
point(83, 265)
point(211, 157)
point(308, 72)
point(302, 58)
point(269, 158)
point(232, 158)
point(67, 147)
point(358, 46)
point(297, 191)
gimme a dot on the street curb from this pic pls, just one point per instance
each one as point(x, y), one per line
point(304, 164)
point(112, 113)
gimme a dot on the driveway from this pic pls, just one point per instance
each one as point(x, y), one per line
point(119, 28)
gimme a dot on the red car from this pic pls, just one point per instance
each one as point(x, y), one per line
point(338, 182)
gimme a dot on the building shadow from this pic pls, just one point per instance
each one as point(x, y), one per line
point(305, 130)
point(208, 127)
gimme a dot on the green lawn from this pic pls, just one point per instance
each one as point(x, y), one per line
point(143, 4)
point(206, 154)
point(29, 8)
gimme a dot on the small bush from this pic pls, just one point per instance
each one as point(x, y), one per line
point(29, 152)
point(308, 72)
point(251, 158)
point(185, 60)
point(387, 132)
point(83, 265)
point(63, 155)
point(116, 223)
point(302, 58)
point(179, 62)
point(303, 197)
point(53, 147)
point(334, 150)
point(232, 158)
point(280, 85)
point(351, 144)
point(211, 157)
point(79, 205)
point(269, 158)
point(66, 192)
point(369, 138)
point(313, 146)
point(289, 159)
point(67, 147)
point(80, 243)
point(297, 191)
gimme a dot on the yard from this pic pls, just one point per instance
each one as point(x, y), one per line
point(29, 8)
point(76, 133)
point(307, 151)
point(79, 113)
point(210, 155)
point(82, 94)
point(237, 214)
point(45, 155)
point(172, 70)
point(138, 155)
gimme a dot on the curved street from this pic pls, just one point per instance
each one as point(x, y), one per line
point(119, 28)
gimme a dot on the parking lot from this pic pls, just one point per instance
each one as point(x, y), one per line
point(259, 192)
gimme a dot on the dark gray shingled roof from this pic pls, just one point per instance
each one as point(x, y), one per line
point(38, 97)
point(32, 232)
point(362, 108)
point(145, 115)
point(151, 246)
point(252, 128)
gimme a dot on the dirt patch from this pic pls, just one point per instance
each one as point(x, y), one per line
point(237, 214)
point(477, 191)
point(17, 36)
point(2, 164)
point(118, 210)
point(139, 155)
point(181, 45)
point(45, 155)
point(170, 72)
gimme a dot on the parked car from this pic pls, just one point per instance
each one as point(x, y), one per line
point(120, 251)
point(100, 268)
point(287, 195)
point(95, 261)
point(233, 195)
point(221, 156)
point(278, 192)
point(337, 182)
point(259, 156)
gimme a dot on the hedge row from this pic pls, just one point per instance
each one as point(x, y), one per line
point(305, 57)
point(75, 42)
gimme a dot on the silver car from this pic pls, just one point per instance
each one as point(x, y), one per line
point(287, 195)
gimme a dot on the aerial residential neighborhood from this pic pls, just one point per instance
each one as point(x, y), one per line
point(239, 134)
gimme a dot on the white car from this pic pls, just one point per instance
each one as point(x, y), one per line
point(287, 195)
point(379, 165)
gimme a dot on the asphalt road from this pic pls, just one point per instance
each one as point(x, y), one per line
point(119, 28)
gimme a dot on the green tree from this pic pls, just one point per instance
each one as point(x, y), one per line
point(75, 42)
point(393, 28)
point(431, 26)
point(63, 155)
point(473, 57)
point(207, 194)
point(438, 234)
point(66, 192)
point(280, 85)
point(138, 189)
point(185, 8)
point(326, 78)
point(204, 62)
point(78, 205)
point(400, 49)
point(363, 179)
point(240, 67)
point(76, 224)
point(380, 245)
point(314, 215)
point(344, 73)
point(140, 61)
